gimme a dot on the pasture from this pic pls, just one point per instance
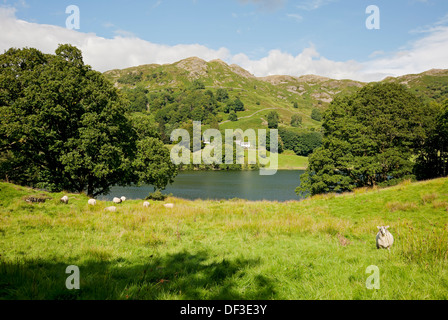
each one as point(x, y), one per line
point(318, 248)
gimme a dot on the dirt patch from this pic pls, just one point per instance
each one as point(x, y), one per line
point(343, 241)
point(41, 198)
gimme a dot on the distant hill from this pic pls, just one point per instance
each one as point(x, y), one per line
point(432, 84)
point(263, 94)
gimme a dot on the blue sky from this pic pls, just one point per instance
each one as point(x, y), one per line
point(249, 30)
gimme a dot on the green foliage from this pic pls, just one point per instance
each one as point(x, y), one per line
point(234, 106)
point(233, 116)
point(370, 139)
point(222, 95)
point(295, 105)
point(296, 120)
point(64, 126)
point(197, 85)
point(238, 105)
point(176, 108)
point(152, 164)
point(280, 145)
point(144, 125)
point(273, 119)
point(138, 99)
point(302, 144)
point(432, 161)
point(316, 115)
point(131, 78)
point(157, 196)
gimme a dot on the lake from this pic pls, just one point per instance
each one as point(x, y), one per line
point(217, 185)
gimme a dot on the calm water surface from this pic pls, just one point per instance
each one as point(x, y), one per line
point(219, 185)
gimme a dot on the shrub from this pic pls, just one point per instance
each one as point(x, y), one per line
point(316, 115)
point(296, 120)
point(273, 119)
point(157, 196)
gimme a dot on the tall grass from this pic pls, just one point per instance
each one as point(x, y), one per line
point(424, 245)
point(313, 249)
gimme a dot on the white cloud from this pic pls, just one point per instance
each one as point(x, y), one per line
point(313, 4)
point(124, 33)
point(426, 53)
point(295, 16)
point(308, 61)
point(376, 53)
point(122, 51)
point(102, 54)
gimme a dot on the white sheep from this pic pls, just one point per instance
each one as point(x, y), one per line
point(64, 199)
point(123, 199)
point(146, 204)
point(116, 200)
point(92, 202)
point(384, 239)
point(111, 209)
point(169, 205)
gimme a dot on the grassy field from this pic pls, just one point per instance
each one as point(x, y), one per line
point(314, 249)
point(287, 160)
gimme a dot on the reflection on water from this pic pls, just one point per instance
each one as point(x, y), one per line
point(218, 185)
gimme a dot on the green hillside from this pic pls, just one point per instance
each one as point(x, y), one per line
point(429, 85)
point(264, 94)
point(193, 89)
point(260, 95)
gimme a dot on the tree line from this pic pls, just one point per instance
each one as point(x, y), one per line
point(380, 135)
point(63, 126)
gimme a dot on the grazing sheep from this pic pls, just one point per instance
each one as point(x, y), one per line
point(64, 199)
point(169, 205)
point(384, 238)
point(123, 199)
point(92, 202)
point(111, 209)
point(146, 204)
point(117, 200)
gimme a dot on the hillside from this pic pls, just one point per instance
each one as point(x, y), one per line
point(313, 249)
point(429, 85)
point(260, 95)
point(264, 94)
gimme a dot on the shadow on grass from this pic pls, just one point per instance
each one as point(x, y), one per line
point(173, 276)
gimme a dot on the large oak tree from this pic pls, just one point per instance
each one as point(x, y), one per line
point(63, 126)
point(371, 138)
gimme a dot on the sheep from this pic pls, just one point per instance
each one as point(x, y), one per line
point(92, 202)
point(123, 199)
point(64, 199)
point(111, 209)
point(146, 204)
point(384, 239)
point(169, 205)
point(117, 200)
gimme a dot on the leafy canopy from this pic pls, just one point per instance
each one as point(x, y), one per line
point(63, 126)
point(432, 161)
point(370, 138)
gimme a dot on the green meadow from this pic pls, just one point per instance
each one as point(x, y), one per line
point(318, 248)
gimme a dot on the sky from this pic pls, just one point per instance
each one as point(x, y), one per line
point(266, 37)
